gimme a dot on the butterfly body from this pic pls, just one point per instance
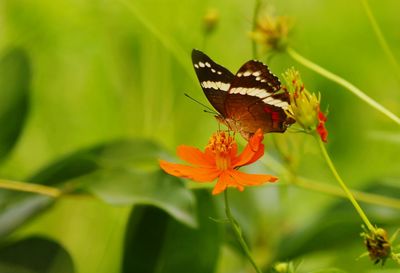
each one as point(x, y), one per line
point(247, 101)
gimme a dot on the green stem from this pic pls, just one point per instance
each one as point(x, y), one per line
point(381, 39)
point(238, 233)
point(29, 187)
point(255, 18)
point(309, 184)
point(335, 78)
point(343, 185)
point(369, 198)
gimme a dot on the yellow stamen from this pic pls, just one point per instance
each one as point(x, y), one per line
point(221, 144)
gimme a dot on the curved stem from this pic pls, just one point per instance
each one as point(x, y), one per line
point(257, 6)
point(381, 39)
point(343, 185)
point(29, 187)
point(333, 77)
point(238, 233)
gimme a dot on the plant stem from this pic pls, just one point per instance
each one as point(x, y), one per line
point(335, 78)
point(257, 6)
point(306, 183)
point(343, 185)
point(29, 187)
point(369, 198)
point(238, 233)
point(381, 39)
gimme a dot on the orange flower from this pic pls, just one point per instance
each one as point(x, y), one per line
point(220, 160)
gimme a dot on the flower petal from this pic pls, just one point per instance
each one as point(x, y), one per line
point(221, 184)
point(226, 179)
point(199, 174)
point(252, 152)
point(246, 179)
point(195, 156)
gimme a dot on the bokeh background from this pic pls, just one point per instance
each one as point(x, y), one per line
point(92, 94)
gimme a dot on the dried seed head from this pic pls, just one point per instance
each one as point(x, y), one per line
point(378, 245)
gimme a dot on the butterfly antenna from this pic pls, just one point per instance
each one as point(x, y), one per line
point(208, 112)
point(209, 109)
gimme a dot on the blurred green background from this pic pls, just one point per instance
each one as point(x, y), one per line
point(91, 95)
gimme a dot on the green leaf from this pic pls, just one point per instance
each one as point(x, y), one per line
point(35, 255)
point(19, 207)
point(340, 225)
point(155, 242)
point(139, 155)
point(128, 187)
point(14, 98)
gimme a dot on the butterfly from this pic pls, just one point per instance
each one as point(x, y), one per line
point(246, 101)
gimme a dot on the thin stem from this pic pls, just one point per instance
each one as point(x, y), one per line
point(369, 198)
point(343, 185)
point(257, 6)
point(238, 233)
point(381, 39)
point(309, 184)
point(333, 77)
point(29, 187)
point(166, 41)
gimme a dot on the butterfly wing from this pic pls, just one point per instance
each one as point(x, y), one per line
point(253, 100)
point(214, 79)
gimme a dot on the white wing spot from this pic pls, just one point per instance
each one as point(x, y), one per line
point(258, 78)
point(201, 64)
point(282, 104)
point(225, 86)
point(267, 100)
point(219, 72)
point(263, 81)
point(216, 85)
point(196, 66)
point(257, 73)
point(257, 92)
point(239, 74)
point(213, 70)
point(247, 73)
point(235, 90)
point(208, 64)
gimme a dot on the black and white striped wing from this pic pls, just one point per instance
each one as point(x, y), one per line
point(215, 80)
point(254, 102)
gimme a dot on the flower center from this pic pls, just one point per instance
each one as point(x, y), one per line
point(221, 144)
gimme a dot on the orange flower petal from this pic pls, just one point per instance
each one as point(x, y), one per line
point(256, 139)
point(252, 152)
point(199, 174)
point(221, 184)
point(247, 179)
point(195, 156)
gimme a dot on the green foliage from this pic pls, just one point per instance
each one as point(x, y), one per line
point(155, 242)
point(14, 97)
point(35, 255)
point(91, 96)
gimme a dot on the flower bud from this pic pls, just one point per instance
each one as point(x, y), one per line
point(281, 267)
point(304, 106)
point(272, 32)
point(210, 21)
